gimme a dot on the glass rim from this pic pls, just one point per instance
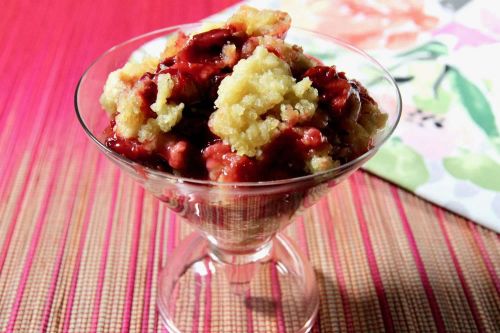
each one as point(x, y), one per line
point(178, 179)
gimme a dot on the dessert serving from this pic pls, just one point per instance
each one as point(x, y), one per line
point(237, 130)
point(234, 102)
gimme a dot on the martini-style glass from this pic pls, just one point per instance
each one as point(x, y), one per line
point(237, 272)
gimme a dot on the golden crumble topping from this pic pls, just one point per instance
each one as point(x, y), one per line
point(234, 102)
point(168, 114)
point(261, 22)
point(129, 116)
point(258, 85)
point(120, 96)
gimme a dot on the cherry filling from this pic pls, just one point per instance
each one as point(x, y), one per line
point(186, 89)
point(284, 157)
point(148, 92)
point(190, 149)
point(200, 65)
point(333, 87)
point(228, 166)
point(206, 47)
point(130, 148)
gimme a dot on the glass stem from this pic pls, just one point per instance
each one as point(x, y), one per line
point(241, 266)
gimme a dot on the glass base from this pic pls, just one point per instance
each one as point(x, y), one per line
point(204, 289)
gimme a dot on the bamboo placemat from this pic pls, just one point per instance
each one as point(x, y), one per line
point(81, 244)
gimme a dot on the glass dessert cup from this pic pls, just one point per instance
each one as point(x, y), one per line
point(236, 272)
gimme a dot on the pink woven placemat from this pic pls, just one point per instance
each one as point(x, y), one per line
point(81, 244)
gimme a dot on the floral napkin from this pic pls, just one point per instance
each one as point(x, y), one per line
point(444, 55)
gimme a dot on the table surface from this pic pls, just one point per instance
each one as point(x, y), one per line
point(81, 244)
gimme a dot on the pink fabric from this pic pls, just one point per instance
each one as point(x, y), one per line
point(102, 268)
point(44, 52)
point(431, 297)
point(149, 270)
point(486, 258)
point(133, 265)
point(339, 271)
point(276, 292)
point(370, 255)
point(74, 280)
point(46, 46)
point(463, 281)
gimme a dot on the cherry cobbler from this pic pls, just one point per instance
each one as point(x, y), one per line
point(234, 102)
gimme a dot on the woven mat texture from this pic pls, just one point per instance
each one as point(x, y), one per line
point(81, 244)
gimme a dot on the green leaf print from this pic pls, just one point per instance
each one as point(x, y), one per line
point(399, 163)
point(475, 103)
point(439, 104)
point(319, 54)
point(430, 50)
point(476, 168)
